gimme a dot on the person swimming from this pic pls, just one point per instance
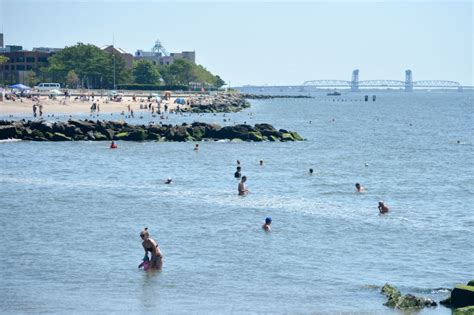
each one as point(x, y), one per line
point(238, 174)
point(311, 171)
point(359, 188)
point(383, 208)
point(261, 162)
point(268, 222)
point(169, 181)
point(113, 145)
point(196, 147)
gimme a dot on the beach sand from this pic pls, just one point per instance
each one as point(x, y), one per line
point(24, 106)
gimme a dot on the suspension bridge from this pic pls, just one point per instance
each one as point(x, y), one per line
point(408, 85)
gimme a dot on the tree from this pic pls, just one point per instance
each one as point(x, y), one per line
point(72, 79)
point(93, 66)
point(3, 59)
point(30, 78)
point(219, 82)
point(145, 72)
point(181, 72)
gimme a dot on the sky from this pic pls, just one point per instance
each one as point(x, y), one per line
point(266, 42)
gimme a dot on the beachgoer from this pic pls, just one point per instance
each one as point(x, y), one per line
point(311, 171)
point(261, 162)
point(237, 174)
point(150, 245)
point(113, 145)
point(383, 208)
point(266, 226)
point(169, 181)
point(359, 188)
point(242, 189)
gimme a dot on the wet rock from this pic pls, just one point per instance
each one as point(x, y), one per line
point(7, 132)
point(57, 136)
point(461, 296)
point(138, 135)
point(468, 310)
point(409, 301)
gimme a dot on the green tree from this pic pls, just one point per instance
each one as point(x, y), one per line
point(72, 80)
point(218, 82)
point(3, 59)
point(93, 66)
point(30, 78)
point(145, 72)
point(182, 72)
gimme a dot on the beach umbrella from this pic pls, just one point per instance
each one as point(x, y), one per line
point(20, 87)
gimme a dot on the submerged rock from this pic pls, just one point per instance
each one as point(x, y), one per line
point(409, 301)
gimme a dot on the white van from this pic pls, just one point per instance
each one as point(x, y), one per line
point(47, 86)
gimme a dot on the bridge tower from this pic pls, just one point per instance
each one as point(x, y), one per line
point(355, 81)
point(408, 81)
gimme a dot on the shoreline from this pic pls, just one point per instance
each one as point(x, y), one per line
point(154, 103)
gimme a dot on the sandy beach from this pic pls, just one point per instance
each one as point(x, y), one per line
point(70, 105)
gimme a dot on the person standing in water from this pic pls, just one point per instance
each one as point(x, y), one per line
point(383, 208)
point(266, 226)
point(242, 189)
point(150, 245)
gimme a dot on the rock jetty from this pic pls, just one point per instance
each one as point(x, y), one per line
point(77, 130)
point(409, 301)
point(218, 103)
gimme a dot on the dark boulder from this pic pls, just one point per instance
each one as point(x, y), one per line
point(137, 135)
point(84, 125)
point(462, 295)
point(43, 126)
point(237, 131)
point(7, 132)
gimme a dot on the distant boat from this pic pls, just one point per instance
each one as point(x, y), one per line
point(335, 93)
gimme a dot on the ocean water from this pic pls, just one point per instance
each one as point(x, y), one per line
point(71, 213)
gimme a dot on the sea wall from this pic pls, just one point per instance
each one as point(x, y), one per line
point(89, 130)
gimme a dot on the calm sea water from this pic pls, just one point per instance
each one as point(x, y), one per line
point(71, 213)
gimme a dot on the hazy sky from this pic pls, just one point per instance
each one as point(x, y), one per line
point(266, 42)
